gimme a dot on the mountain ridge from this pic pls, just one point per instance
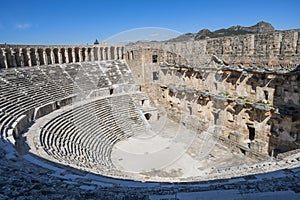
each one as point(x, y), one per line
point(260, 27)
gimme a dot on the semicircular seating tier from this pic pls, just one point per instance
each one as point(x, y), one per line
point(31, 92)
point(85, 135)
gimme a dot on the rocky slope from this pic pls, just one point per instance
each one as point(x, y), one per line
point(260, 27)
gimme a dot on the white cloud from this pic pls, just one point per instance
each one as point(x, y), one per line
point(23, 26)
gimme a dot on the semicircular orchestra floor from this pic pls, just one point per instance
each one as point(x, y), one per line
point(168, 151)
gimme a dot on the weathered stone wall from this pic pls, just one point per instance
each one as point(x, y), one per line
point(273, 50)
point(144, 63)
point(257, 101)
point(258, 112)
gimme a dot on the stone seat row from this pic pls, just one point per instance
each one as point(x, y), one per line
point(22, 89)
point(84, 136)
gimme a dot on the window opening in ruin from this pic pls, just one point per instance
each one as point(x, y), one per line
point(55, 53)
point(266, 95)
point(48, 59)
point(216, 117)
point(143, 101)
point(58, 105)
point(190, 109)
point(111, 91)
point(251, 133)
point(155, 76)
point(154, 58)
point(243, 151)
point(148, 116)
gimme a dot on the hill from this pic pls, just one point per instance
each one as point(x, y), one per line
point(260, 27)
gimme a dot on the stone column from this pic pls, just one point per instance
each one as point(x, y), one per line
point(59, 56)
point(102, 50)
point(29, 57)
point(37, 57)
point(115, 53)
point(4, 58)
point(21, 57)
point(92, 54)
point(73, 55)
point(86, 53)
point(108, 54)
point(67, 55)
point(45, 57)
point(80, 55)
point(52, 56)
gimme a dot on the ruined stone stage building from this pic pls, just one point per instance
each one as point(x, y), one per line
point(158, 120)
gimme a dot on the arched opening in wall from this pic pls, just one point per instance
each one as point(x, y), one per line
point(14, 56)
point(83, 57)
point(128, 55)
point(216, 117)
point(155, 76)
point(41, 57)
point(148, 116)
point(63, 55)
point(18, 58)
point(55, 52)
point(33, 57)
point(154, 57)
point(111, 91)
point(25, 57)
point(251, 130)
point(76, 54)
point(88, 54)
point(266, 93)
point(48, 56)
point(122, 52)
point(70, 55)
point(118, 53)
point(112, 53)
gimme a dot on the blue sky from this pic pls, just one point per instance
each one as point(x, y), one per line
point(81, 22)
